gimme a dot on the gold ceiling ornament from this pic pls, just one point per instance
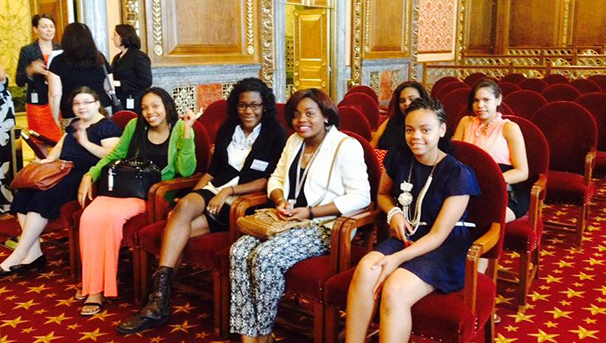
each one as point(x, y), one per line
point(250, 26)
point(267, 42)
point(414, 39)
point(157, 27)
point(356, 46)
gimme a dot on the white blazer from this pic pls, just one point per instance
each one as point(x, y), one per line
point(349, 187)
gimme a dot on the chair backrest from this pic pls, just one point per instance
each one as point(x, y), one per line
point(560, 92)
point(214, 116)
point(365, 105)
point(372, 164)
point(441, 83)
point(533, 84)
point(453, 102)
point(449, 87)
point(472, 78)
point(525, 103)
point(585, 86)
point(366, 90)
point(282, 118)
point(508, 88)
point(121, 118)
point(571, 133)
point(490, 206)
point(595, 103)
point(599, 79)
point(553, 79)
point(203, 145)
point(537, 148)
point(505, 109)
point(513, 78)
point(354, 121)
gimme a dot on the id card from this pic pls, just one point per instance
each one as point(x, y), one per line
point(259, 165)
point(34, 96)
point(130, 104)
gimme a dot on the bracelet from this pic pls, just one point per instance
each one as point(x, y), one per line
point(278, 201)
point(311, 213)
point(233, 192)
point(392, 213)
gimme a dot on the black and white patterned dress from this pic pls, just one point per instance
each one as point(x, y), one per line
point(7, 122)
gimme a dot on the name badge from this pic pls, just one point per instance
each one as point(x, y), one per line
point(34, 96)
point(259, 165)
point(130, 103)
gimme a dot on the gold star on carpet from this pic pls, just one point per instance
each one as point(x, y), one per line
point(202, 335)
point(158, 339)
point(502, 300)
point(597, 254)
point(22, 283)
point(11, 298)
point(595, 310)
point(40, 311)
point(181, 327)
point(4, 290)
point(547, 253)
point(590, 321)
point(48, 275)
point(28, 330)
point(514, 254)
point(569, 257)
point(557, 313)
point(506, 262)
point(519, 317)
point(578, 284)
point(25, 305)
point(582, 276)
point(551, 324)
point(101, 316)
point(536, 296)
point(66, 302)
point(74, 326)
point(124, 305)
point(70, 287)
point(603, 290)
point(54, 263)
point(91, 335)
point(600, 248)
point(13, 322)
point(544, 287)
point(589, 269)
point(571, 293)
point(37, 289)
point(563, 264)
point(501, 339)
point(543, 337)
point(60, 280)
point(592, 261)
point(46, 339)
point(58, 319)
point(582, 332)
point(4, 339)
point(558, 271)
point(600, 299)
point(185, 308)
point(565, 303)
point(551, 279)
point(556, 240)
point(511, 328)
point(587, 239)
point(203, 315)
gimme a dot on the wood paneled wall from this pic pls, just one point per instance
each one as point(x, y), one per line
point(385, 29)
point(481, 25)
point(590, 22)
point(534, 23)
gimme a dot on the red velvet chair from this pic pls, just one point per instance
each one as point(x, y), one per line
point(441, 83)
point(449, 87)
point(354, 121)
point(453, 102)
point(571, 133)
point(525, 103)
point(585, 86)
point(533, 84)
point(596, 104)
point(523, 235)
point(365, 105)
point(455, 317)
point(599, 79)
point(213, 117)
point(508, 88)
point(366, 90)
point(513, 78)
point(553, 79)
point(560, 92)
point(472, 78)
point(282, 118)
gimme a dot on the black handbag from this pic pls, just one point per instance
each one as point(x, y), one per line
point(129, 178)
point(111, 93)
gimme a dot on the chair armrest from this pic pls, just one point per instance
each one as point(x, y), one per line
point(478, 248)
point(589, 164)
point(345, 226)
point(158, 206)
point(537, 195)
point(239, 208)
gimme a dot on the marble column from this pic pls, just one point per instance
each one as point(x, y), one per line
point(340, 73)
point(279, 86)
point(94, 15)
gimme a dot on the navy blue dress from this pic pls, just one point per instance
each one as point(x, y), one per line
point(444, 267)
point(48, 203)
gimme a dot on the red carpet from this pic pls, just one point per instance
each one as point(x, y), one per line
point(567, 304)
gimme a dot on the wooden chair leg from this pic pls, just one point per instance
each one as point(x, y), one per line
point(224, 302)
point(217, 300)
point(318, 322)
point(581, 224)
point(331, 326)
point(73, 250)
point(489, 328)
point(144, 262)
point(137, 274)
point(523, 284)
point(536, 260)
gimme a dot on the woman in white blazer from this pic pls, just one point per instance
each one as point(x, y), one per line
point(306, 184)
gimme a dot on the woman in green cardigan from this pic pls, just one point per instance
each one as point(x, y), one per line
point(157, 135)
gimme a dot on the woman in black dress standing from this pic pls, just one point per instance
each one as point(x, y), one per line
point(131, 67)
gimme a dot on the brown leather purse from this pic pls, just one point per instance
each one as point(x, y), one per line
point(42, 176)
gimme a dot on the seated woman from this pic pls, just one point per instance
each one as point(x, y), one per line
point(86, 141)
point(247, 150)
point(165, 140)
point(302, 177)
point(391, 131)
point(501, 139)
point(430, 239)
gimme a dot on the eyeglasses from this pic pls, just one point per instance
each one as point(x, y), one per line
point(84, 103)
point(254, 106)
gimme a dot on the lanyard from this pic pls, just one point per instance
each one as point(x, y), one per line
point(301, 178)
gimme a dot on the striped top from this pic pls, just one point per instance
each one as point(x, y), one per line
point(489, 137)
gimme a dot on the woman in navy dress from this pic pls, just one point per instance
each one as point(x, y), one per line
point(425, 192)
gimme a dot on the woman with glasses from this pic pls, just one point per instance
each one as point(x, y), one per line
point(247, 149)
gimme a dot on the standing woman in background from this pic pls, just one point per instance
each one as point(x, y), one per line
point(131, 67)
point(7, 122)
point(31, 71)
point(80, 64)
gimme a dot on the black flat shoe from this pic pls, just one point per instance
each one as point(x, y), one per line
point(39, 264)
point(5, 272)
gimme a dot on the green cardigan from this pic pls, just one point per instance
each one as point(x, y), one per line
point(181, 153)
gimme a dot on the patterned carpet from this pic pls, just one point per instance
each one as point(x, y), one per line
point(567, 304)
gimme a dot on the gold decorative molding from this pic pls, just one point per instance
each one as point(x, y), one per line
point(356, 44)
point(132, 15)
point(565, 22)
point(157, 27)
point(267, 42)
point(367, 26)
point(407, 24)
point(250, 27)
point(461, 30)
point(414, 39)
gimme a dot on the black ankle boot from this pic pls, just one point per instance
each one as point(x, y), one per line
point(157, 310)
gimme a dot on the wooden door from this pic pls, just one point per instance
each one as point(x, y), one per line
point(311, 49)
point(56, 8)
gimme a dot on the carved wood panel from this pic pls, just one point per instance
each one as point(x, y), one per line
point(535, 23)
point(385, 29)
point(590, 28)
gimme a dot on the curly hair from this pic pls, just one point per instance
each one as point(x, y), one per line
point(79, 49)
point(128, 35)
point(325, 103)
point(434, 105)
point(396, 96)
point(251, 84)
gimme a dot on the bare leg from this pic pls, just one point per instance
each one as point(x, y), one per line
point(401, 291)
point(361, 302)
point(261, 339)
point(31, 230)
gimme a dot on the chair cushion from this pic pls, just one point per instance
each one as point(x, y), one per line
point(563, 187)
point(599, 170)
point(520, 237)
point(306, 278)
point(456, 322)
point(130, 235)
